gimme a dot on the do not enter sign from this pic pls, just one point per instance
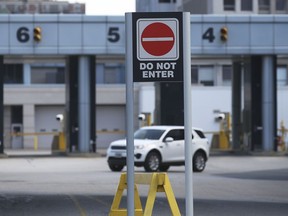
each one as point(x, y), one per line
point(157, 40)
point(157, 46)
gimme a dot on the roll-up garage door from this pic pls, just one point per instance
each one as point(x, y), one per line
point(110, 124)
point(46, 124)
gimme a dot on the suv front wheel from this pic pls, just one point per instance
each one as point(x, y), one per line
point(152, 162)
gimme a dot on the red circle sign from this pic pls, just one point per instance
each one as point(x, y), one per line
point(157, 39)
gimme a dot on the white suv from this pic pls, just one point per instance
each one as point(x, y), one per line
point(159, 147)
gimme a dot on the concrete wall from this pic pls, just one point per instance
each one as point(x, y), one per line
point(206, 100)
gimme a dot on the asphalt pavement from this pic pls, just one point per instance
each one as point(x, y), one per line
point(52, 185)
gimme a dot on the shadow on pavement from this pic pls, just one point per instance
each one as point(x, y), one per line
point(277, 175)
point(99, 205)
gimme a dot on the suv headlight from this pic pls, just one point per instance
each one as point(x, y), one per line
point(139, 147)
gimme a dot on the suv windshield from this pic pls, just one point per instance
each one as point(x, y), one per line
point(152, 134)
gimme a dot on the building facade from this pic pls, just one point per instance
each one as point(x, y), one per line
point(212, 76)
point(234, 6)
point(40, 7)
point(34, 86)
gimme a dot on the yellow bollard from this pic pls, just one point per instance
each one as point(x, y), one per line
point(223, 140)
point(35, 142)
point(62, 144)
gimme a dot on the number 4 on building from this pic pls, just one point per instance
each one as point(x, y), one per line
point(209, 35)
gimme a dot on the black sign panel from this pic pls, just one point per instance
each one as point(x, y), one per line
point(157, 46)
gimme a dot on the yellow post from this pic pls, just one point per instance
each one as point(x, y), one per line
point(35, 142)
point(223, 140)
point(283, 131)
point(62, 141)
point(224, 133)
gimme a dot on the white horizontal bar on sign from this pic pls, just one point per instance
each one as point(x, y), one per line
point(158, 39)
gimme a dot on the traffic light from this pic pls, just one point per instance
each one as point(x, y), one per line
point(37, 34)
point(224, 33)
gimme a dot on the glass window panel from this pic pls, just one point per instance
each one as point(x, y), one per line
point(246, 5)
point(202, 75)
point(167, 1)
point(194, 74)
point(111, 74)
point(176, 134)
point(54, 9)
point(281, 5)
point(227, 74)
point(264, 5)
point(206, 75)
point(13, 74)
point(100, 73)
point(47, 75)
point(229, 5)
point(281, 75)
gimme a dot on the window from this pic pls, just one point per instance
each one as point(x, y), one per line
point(227, 74)
point(176, 134)
point(200, 133)
point(229, 5)
point(17, 115)
point(11, 8)
point(281, 5)
point(167, 1)
point(13, 74)
point(66, 8)
point(281, 75)
point(246, 5)
point(110, 73)
point(47, 75)
point(152, 134)
point(54, 9)
point(194, 74)
point(202, 75)
point(206, 77)
point(264, 5)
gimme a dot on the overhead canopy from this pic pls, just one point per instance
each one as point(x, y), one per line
point(84, 34)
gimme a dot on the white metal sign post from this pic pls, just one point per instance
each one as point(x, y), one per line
point(158, 49)
point(129, 116)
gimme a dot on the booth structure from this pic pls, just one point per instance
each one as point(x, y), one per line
point(252, 41)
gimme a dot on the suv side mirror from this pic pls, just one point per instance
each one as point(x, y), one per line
point(168, 139)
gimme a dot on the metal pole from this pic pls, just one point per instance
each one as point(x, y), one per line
point(236, 104)
point(187, 115)
point(84, 105)
point(1, 106)
point(129, 115)
point(268, 103)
